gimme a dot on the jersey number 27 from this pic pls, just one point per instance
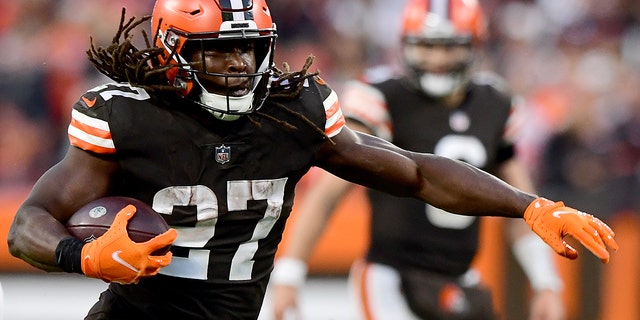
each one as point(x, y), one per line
point(195, 265)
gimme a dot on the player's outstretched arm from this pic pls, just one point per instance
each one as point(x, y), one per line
point(461, 188)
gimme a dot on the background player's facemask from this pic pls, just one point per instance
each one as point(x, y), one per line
point(441, 85)
point(440, 81)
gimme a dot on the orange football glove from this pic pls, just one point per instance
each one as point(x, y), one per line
point(552, 221)
point(115, 257)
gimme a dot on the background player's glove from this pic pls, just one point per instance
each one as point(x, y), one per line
point(115, 257)
point(552, 221)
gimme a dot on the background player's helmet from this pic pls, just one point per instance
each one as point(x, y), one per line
point(197, 22)
point(441, 22)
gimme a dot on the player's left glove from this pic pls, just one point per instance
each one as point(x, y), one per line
point(552, 221)
point(114, 257)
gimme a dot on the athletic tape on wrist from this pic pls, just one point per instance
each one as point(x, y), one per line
point(536, 261)
point(69, 255)
point(289, 271)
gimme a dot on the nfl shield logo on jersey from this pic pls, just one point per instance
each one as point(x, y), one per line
point(223, 154)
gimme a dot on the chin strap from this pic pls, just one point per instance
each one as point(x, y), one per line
point(212, 102)
point(439, 86)
point(224, 116)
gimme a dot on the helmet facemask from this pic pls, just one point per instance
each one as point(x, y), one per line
point(224, 97)
point(438, 79)
point(225, 101)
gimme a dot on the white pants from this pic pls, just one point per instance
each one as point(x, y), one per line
point(376, 289)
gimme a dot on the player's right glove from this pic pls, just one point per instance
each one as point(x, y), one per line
point(552, 221)
point(114, 257)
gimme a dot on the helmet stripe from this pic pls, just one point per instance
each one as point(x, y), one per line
point(236, 10)
point(440, 8)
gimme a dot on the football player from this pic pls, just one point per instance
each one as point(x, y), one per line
point(437, 106)
point(203, 127)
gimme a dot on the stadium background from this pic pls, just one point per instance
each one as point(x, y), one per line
point(575, 63)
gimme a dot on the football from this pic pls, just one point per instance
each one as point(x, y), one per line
point(95, 218)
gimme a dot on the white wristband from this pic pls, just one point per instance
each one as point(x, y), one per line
point(537, 263)
point(289, 271)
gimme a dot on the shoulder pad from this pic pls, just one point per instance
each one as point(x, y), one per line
point(491, 79)
point(380, 74)
point(101, 95)
point(89, 128)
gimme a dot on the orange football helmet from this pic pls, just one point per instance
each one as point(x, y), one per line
point(449, 23)
point(178, 22)
point(460, 21)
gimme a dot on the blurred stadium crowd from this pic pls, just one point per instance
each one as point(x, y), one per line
point(574, 63)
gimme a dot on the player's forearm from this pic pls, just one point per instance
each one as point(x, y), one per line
point(305, 232)
point(33, 237)
point(291, 267)
point(533, 255)
point(311, 218)
point(536, 260)
point(448, 184)
point(514, 173)
point(458, 187)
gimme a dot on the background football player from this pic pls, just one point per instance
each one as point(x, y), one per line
point(438, 106)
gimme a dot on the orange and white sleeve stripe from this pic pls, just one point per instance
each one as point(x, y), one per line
point(367, 104)
point(90, 134)
point(335, 118)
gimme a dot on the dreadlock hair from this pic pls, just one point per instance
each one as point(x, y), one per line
point(123, 62)
point(286, 87)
